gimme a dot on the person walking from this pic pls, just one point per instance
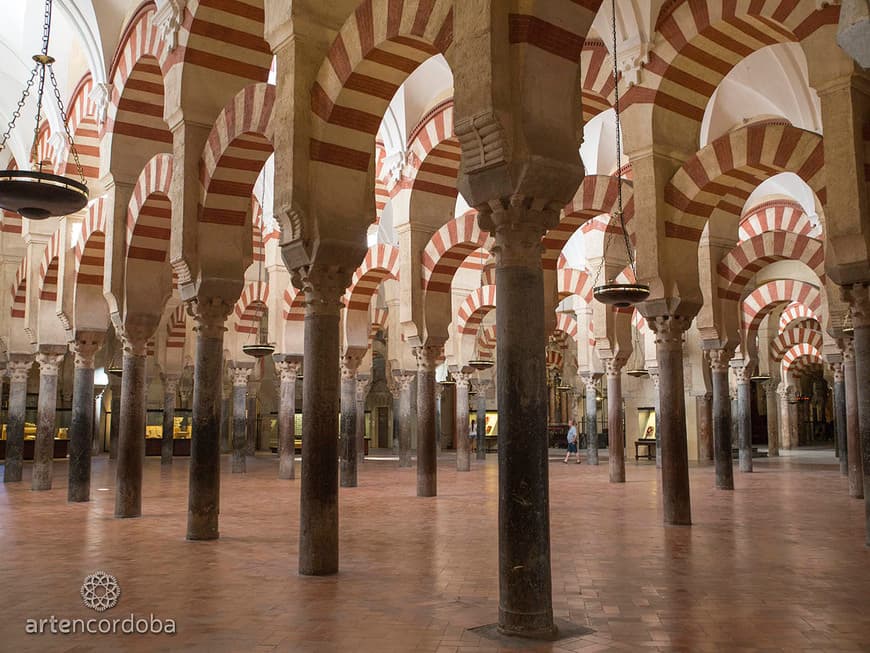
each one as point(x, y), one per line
point(572, 442)
point(472, 437)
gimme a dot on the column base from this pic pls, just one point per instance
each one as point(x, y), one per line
point(528, 626)
point(202, 527)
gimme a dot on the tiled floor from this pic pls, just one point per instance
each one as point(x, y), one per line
point(777, 565)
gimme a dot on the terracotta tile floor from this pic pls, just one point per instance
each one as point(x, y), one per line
point(777, 565)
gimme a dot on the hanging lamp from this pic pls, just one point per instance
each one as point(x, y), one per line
point(637, 370)
point(480, 364)
point(35, 194)
point(261, 348)
point(620, 295)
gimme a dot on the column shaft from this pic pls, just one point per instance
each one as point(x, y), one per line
point(427, 447)
point(405, 421)
point(616, 441)
point(168, 437)
point(481, 422)
point(347, 433)
point(463, 442)
point(772, 418)
point(525, 583)
point(287, 421)
point(591, 423)
point(81, 431)
point(721, 420)
point(853, 437)
point(46, 420)
point(115, 424)
point(203, 506)
point(744, 424)
point(840, 418)
point(240, 428)
point(705, 427)
point(861, 340)
point(14, 462)
point(131, 434)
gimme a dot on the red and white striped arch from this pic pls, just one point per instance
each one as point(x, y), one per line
point(434, 154)
point(775, 215)
point(379, 318)
point(568, 325)
point(702, 41)
point(763, 299)
point(796, 359)
point(555, 358)
point(596, 195)
point(82, 121)
point(486, 342)
point(176, 328)
point(596, 78)
point(224, 36)
point(473, 309)
point(235, 152)
point(11, 223)
point(792, 338)
point(748, 257)
point(379, 45)
point(136, 103)
point(571, 281)
point(19, 291)
point(799, 313)
point(48, 268)
point(723, 174)
point(382, 191)
point(149, 216)
point(381, 262)
point(448, 248)
point(250, 307)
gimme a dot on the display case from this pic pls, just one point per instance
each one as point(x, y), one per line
point(180, 435)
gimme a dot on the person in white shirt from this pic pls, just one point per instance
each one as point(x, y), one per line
point(572, 442)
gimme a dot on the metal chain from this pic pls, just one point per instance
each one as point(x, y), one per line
point(69, 138)
point(34, 153)
point(619, 143)
point(17, 113)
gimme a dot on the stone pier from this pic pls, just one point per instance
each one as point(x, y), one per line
point(427, 446)
point(347, 425)
point(744, 416)
point(405, 382)
point(240, 373)
point(616, 442)
point(719, 366)
point(288, 371)
point(18, 369)
point(49, 359)
point(81, 429)
point(131, 431)
point(463, 442)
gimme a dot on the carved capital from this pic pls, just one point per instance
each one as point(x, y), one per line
point(849, 351)
point(718, 359)
point(613, 366)
point(590, 383)
point(170, 383)
point(363, 383)
point(323, 286)
point(240, 375)
point(287, 371)
point(350, 361)
point(49, 363)
point(85, 347)
point(18, 368)
point(404, 380)
point(394, 390)
point(669, 330)
point(210, 314)
point(837, 369)
point(742, 373)
point(462, 380)
point(168, 20)
point(427, 357)
point(858, 296)
point(517, 224)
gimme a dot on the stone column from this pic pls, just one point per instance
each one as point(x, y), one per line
point(288, 371)
point(448, 417)
point(784, 415)
point(43, 453)
point(772, 417)
point(840, 416)
point(115, 425)
point(794, 420)
point(704, 406)
point(858, 295)
point(251, 424)
point(853, 438)
point(362, 389)
point(395, 409)
point(226, 417)
point(591, 420)
point(744, 416)
point(616, 441)
point(240, 373)
point(719, 366)
point(481, 419)
point(347, 434)
point(318, 531)
point(167, 440)
point(654, 375)
point(551, 396)
point(203, 503)
point(404, 381)
point(17, 368)
point(668, 330)
point(131, 430)
point(427, 447)
point(81, 428)
point(463, 442)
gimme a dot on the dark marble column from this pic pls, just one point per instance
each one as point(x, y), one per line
point(170, 390)
point(131, 431)
point(744, 417)
point(704, 406)
point(853, 436)
point(669, 330)
point(448, 416)
point(463, 442)
point(480, 422)
point(251, 423)
point(770, 387)
point(591, 420)
point(616, 440)
point(115, 423)
point(362, 389)
point(395, 389)
point(858, 295)
point(318, 531)
point(347, 425)
point(404, 381)
point(81, 428)
point(657, 406)
point(525, 583)
point(288, 371)
point(240, 373)
point(794, 421)
point(226, 429)
point(840, 416)
point(49, 359)
point(427, 448)
point(18, 369)
point(204, 483)
point(551, 397)
point(719, 366)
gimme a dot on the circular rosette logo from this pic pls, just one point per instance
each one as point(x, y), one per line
point(100, 591)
